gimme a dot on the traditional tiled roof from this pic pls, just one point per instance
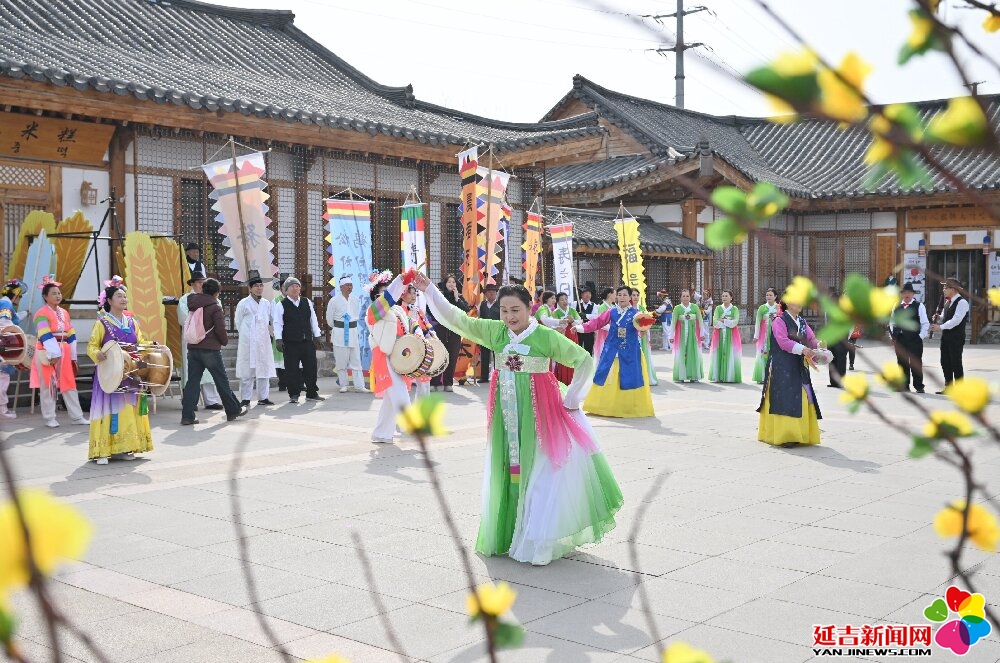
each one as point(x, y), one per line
point(601, 174)
point(807, 159)
point(254, 62)
point(595, 229)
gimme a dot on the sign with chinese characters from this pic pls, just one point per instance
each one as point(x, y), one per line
point(630, 251)
point(51, 139)
point(242, 215)
point(349, 240)
point(949, 217)
point(411, 237)
point(562, 258)
point(532, 249)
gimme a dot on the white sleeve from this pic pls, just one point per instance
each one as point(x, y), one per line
point(384, 333)
point(925, 324)
point(72, 349)
point(554, 323)
point(580, 385)
point(51, 346)
point(313, 320)
point(241, 313)
point(278, 320)
point(961, 310)
point(331, 312)
point(442, 309)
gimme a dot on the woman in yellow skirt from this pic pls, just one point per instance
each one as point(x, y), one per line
point(621, 387)
point(789, 413)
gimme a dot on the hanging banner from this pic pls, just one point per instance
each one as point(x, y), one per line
point(914, 269)
point(507, 212)
point(241, 203)
point(411, 238)
point(349, 241)
point(562, 258)
point(145, 291)
point(469, 212)
point(492, 187)
point(532, 250)
point(630, 252)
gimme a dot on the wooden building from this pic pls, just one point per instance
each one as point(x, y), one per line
point(834, 225)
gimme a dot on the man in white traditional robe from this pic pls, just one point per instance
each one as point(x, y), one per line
point(208, 390)
point(342, 316)
point(254, 357)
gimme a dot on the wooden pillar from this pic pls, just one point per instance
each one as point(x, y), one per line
point(690, 209)
point(900, 242)
point(120, 142)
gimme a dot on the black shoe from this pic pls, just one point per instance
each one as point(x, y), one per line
point(919, 391)
point(939, 392)
point(851, 368)
point(188, 422)
point(315, 397)
point(215, 406)
point(245, 403)
point(789, 445)
point(294, 400)
point(243, 410)
point(266, 401)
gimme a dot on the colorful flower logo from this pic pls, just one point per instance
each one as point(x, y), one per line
point(959, 635)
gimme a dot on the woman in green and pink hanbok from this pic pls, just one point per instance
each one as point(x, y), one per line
point(766, 313)
point(688, 335)
point(725, 355)
point(547, 487)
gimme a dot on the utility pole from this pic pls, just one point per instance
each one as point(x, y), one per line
point(679, 47)
point(974, 87)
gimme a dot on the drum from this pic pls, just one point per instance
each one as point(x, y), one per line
point(111, 371)
point(147, 367)
point(13, 345)
point(441, 357)
point(411, 356)
point(155, 366)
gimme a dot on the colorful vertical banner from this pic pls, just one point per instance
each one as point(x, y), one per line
point(412, 242)
point(240, 200)
point(492, 187)
point(630, 252)
point(468, 163)
point(562, 258)
point(349, 241)
point(507, 212)
point(145, 290)
point(532, 250)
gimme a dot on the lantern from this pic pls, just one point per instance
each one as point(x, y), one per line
point(922, 248)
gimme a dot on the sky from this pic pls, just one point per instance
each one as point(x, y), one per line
point(513, 60)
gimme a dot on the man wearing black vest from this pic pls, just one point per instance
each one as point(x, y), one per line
point(952, 328)
point(586, 309)
point(488, 310)
point(908, 328)
point(295, 332)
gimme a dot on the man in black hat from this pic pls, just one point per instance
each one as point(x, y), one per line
point(195, 264)
point(586, 308)
point(908, 328)
point(488, 310)
point(952, 328)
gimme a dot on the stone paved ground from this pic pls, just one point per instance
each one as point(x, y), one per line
point(745, 549)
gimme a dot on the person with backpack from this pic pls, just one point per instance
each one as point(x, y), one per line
point(205, 333)
point(208, 392)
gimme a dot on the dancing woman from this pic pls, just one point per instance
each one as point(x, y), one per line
point(58, 338)
point(548, 487)
point(725, 358)
point(766, 313)
point(688, 332)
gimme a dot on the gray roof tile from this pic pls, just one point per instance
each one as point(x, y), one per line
point(254, 62)
point(595, 229)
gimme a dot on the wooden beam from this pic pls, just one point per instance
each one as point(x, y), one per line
point(900, 238)
point(120, 142)
point(690, 209)
point(55, 192)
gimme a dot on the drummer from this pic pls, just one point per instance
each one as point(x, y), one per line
point(388, 321)
point(119, 420)
point(54, 370)
point(421, 327)
point(10, 297)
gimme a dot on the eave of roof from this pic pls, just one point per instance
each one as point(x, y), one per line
point(595, 229)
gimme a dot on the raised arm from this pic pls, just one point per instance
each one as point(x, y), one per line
point(476, 330)
point(596, 323)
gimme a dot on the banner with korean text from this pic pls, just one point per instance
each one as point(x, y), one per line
point(349, 241)
point(562, 258)
point(411, 237)
point(532, 250)
point(630, 252)
point(469, 212)
point(240, 200)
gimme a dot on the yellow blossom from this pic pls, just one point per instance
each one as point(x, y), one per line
point(971, 395)
point(58, 533)
point(923, 28)
point(784, 113)
point(682, 652)
point(424, 417)
point(801, 291)
point(944, 422)
point(878, 151)
point(494, 599)
point(994, 295)
point(891, 374)
point(982, 526)
point(883, 300)
point(855, 388)
point(841, 100)
point(795, 63)
point(961, 123)
point(992, 23)
point(332, 658)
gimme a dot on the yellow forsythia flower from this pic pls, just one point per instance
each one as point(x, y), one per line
point(883, 300)
point(332, 658)
point(682, 652)
point(892, 374)
point(425, 417)
point(994, 295)
point(878, 151)
point(962, 123)
point(800, 291)
point(842, 101)
point(58, 533)
point(992, 23)
point(982, 526)
point(855, 388)
point(494, 599)
point(971, 395)
point(922, 29)
point(785, 114)
point(795, 63)
point(956, 422)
